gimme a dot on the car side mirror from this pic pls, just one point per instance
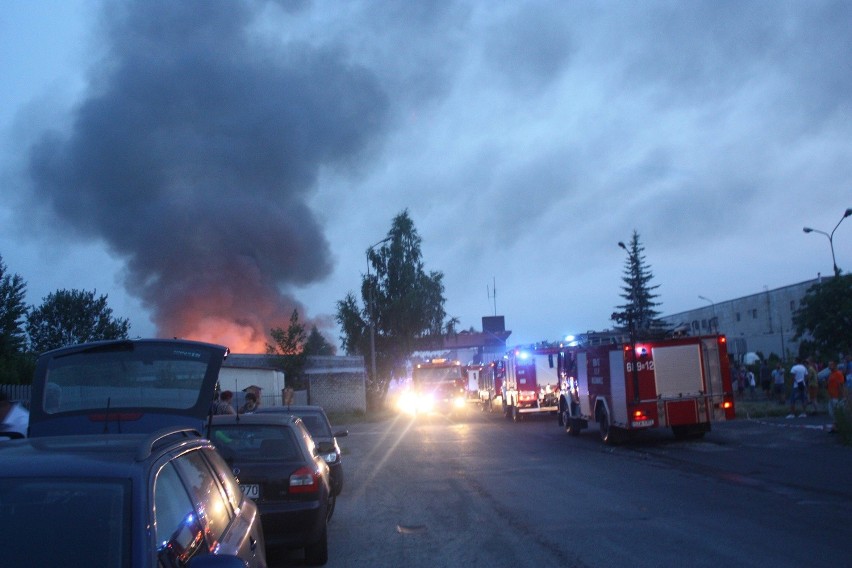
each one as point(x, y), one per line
point(341, 434)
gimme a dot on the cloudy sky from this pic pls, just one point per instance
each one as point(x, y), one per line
point(211, 166)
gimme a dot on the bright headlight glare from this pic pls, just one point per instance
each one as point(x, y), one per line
point(330, 457)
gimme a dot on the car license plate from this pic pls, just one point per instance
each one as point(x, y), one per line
point(251, 490)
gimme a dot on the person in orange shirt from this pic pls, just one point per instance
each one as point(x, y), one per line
point(836, 383)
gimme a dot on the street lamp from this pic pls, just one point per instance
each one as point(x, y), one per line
point(831, 238)
point(713, 305)
point(370, 309)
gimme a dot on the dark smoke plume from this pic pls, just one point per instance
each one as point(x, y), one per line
point(193, 155)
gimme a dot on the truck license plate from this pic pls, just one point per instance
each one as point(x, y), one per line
point(251, 490)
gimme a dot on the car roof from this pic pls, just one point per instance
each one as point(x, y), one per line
point(124, 386)
point(292, 408)
point(273, 418)
point(92, 456)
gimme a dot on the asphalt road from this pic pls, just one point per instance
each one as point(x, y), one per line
point(483, 491)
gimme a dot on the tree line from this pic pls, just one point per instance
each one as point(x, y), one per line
point(65, 317)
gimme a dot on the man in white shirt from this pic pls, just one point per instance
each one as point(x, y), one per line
point(799, 372)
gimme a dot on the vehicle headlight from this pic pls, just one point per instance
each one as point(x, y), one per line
point(426, 403)
point(459, 402)
point(330, 457)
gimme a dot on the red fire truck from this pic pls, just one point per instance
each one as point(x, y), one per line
point(683, 384)
point(532, 382)
point(437, 385)
point(491, 385)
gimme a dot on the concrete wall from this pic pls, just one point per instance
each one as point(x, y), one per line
point(759, 322)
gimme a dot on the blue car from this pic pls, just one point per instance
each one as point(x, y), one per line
point(115, 471)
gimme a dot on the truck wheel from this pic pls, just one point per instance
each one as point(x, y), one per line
point(609, 433)
point(689, 432)
point(560, 416)
point(573, 426)
point(516, 414)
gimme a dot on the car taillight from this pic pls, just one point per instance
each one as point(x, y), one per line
point(304, 480)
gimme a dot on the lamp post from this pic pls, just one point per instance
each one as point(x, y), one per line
point(631, 325)
point(370, 309)
point(713, 305)
point(831, 238)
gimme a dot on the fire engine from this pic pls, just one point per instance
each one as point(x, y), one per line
point(532, 382)
point(683, 384)
point(491, 385)
point(436, 385)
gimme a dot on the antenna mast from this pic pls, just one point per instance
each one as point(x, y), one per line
point(492, 293)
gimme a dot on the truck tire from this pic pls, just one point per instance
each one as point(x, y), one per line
point(516, 414)
point(574, 426)
point(610, 435)
point(693, 432)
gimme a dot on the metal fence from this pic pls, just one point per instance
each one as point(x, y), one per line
point(18, 392)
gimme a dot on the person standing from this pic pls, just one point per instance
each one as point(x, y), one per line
point(765, 379)
point(250, 404)
point(799, 372)
point(778, 379)
point(836, 385)
point(224, 406)
point(812, 382)
point(751, 383)
point(741, 381)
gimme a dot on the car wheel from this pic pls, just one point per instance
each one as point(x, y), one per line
point(316, 554)
point(332, 501)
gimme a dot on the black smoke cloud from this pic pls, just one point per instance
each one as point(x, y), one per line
point(193, 156)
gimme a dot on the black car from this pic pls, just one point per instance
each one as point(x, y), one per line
point(115, 471)
point(279, 466)
point(318, 425)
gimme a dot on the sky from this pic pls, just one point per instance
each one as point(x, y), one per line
point(211, 166)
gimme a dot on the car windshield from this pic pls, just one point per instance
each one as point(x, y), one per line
point(138, 376)
point(255, 443)
point(316, 424)
point(88, 522)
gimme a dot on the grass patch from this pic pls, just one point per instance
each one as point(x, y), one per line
point(843, 424)
point(760, 408)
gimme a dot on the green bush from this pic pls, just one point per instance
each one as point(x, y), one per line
point(843, 424)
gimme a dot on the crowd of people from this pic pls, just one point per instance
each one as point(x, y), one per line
point(802, 386)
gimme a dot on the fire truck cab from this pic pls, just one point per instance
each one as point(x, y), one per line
point(532, 382)
point(683, 384)
point(437, 385)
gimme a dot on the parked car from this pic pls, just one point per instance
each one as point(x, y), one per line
point(279, 466)
point(115, 469)
point(316, 420)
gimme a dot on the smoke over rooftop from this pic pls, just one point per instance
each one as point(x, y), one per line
point(193, 155)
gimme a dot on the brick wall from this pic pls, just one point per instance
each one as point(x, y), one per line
point(338, 392)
